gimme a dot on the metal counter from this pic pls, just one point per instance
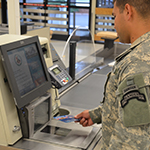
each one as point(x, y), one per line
point(78, 138)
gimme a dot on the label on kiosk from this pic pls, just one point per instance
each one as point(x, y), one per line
point(59, 76)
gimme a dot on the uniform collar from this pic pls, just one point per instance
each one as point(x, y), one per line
point(133, 45)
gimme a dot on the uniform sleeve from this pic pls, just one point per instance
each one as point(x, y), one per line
point(130, 138)
point(132, 128)
point(95, 115)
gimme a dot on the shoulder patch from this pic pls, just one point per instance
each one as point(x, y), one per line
point(130, 88)
point(132, 95)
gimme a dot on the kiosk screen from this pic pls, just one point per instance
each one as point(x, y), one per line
point(25, 69)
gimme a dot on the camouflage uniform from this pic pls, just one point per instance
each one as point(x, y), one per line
point(125, 113)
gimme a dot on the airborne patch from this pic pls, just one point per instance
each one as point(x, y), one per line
point(131, 95)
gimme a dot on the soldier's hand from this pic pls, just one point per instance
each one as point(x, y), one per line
point(85, 118)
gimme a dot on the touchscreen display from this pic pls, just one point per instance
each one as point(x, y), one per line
point(56, 71)
point(27, 68)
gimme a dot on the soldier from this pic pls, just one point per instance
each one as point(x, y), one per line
point(125, 113)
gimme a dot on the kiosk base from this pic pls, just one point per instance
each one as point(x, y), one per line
point(58, 135)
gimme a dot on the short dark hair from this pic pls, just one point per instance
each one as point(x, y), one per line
point(141, 6)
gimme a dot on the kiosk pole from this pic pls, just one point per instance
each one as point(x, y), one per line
point(72, 59)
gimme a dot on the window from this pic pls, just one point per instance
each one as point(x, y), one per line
point(105, 3)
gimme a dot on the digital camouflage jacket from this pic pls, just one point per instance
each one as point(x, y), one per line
point(125, 113)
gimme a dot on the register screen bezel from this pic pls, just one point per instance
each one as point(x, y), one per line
point(21, 101)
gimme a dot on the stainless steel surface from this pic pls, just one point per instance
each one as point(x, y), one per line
point(28, 144)
point(96, 141)
point(87, 94)
point(77, 136)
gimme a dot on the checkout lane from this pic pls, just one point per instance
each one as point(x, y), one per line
point(77, 138)
point(85, 94)
point(77, 103)
point(33, 142)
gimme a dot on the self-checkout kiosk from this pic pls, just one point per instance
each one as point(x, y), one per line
point(29, 99)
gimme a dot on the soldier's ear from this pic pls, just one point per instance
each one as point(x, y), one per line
point(128, 12)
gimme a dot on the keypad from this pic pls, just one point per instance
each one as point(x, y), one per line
point(63, 78)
